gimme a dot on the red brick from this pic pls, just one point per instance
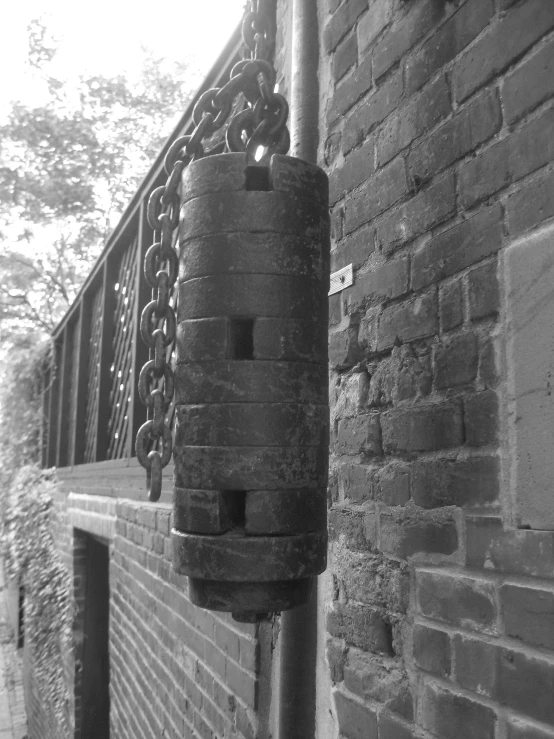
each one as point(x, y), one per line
point(461, 482)
point(475, 664)
point(456, 361)
point(362, 626)
point(459, 601)
point(378, 194)
point(430, 207)
point(355, 720)
point(422, 428)
point(404, 34)
point(460, 135)
point(468, 21)
point(405, 534)
point(509, 160)
point(528, 614)
point(357, 168)
point(372, 111)
point(359, 435)
point(451, 310)
point(421, 113)
point(350, 91)
point(458, 247)
point(532, 204)
point(481, 418)
point(450, 716)
point(529, 85)
point(498, 48)
point(345, 56)
point(408, 321)
point(526, 684)
point(373, 23)
point(342, 21)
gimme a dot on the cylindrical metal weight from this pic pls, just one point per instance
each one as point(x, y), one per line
point(252, 419)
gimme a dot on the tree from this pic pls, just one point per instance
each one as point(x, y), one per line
point(67, 170)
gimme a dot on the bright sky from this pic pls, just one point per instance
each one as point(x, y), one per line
point(105, 36)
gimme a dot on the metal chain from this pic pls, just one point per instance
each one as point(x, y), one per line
point(263, 123)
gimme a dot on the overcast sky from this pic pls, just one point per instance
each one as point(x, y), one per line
point(105, 36)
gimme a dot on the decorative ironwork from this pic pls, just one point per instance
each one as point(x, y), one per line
point(91, 412)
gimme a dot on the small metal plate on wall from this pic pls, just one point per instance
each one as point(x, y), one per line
point(341, 279)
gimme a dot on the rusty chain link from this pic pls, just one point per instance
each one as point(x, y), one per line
point(262, 124)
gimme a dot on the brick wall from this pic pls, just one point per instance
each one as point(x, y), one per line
point(438, 136)
point(175, 670)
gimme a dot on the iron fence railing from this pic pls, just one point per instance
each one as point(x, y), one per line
point(91, 407)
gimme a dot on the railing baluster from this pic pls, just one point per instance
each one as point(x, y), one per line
point(81, 377)
point(106, 355)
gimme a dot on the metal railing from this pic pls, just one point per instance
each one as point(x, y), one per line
point(92, 409)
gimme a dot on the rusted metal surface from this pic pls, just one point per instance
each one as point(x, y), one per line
point(252, 431)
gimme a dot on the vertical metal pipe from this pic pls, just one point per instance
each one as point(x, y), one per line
point(298, 635)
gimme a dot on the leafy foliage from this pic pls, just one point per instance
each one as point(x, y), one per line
point(31, 557)
point(68, 168)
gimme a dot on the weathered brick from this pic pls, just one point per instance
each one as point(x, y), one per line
point(483, 294)
point(526, 684)
point(350, 91)
point(373, 22)
point(481, 418)
point(355, 720)
point(505, 41)
point(452, 716)
point(345, 56)
point(509, 160)
point(390, 280)
point(391, 728)
point(529, 206)
point(405, 534)
point(432, 650)
point(335, 309)
point(461, 482)
point(342, 21)
point(378, 194)
point(456, 361)
point(422, 428)
point(372, 111)
point(404, 34)
point(529, 614)
point(375, 677)
point(460, 135)
point(394, 484)
point(459, 601)
point(458, 247)
point(451, 310)
point(475, 664)
point(516, 551)
point(518, 729)
point(348, 525)
point(422, 212)
point(336, 657)
point(418, 116)
point(356, 482)
point(529, 85)
point(468, 21)
point(357, 168)
point(408, 321)
point(343, 348)
point(362, 626)
point(359, 435)
point(355, 250)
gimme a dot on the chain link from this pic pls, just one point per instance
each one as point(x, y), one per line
point(263, 123)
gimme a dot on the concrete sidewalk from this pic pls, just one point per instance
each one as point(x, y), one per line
point(13, 719)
